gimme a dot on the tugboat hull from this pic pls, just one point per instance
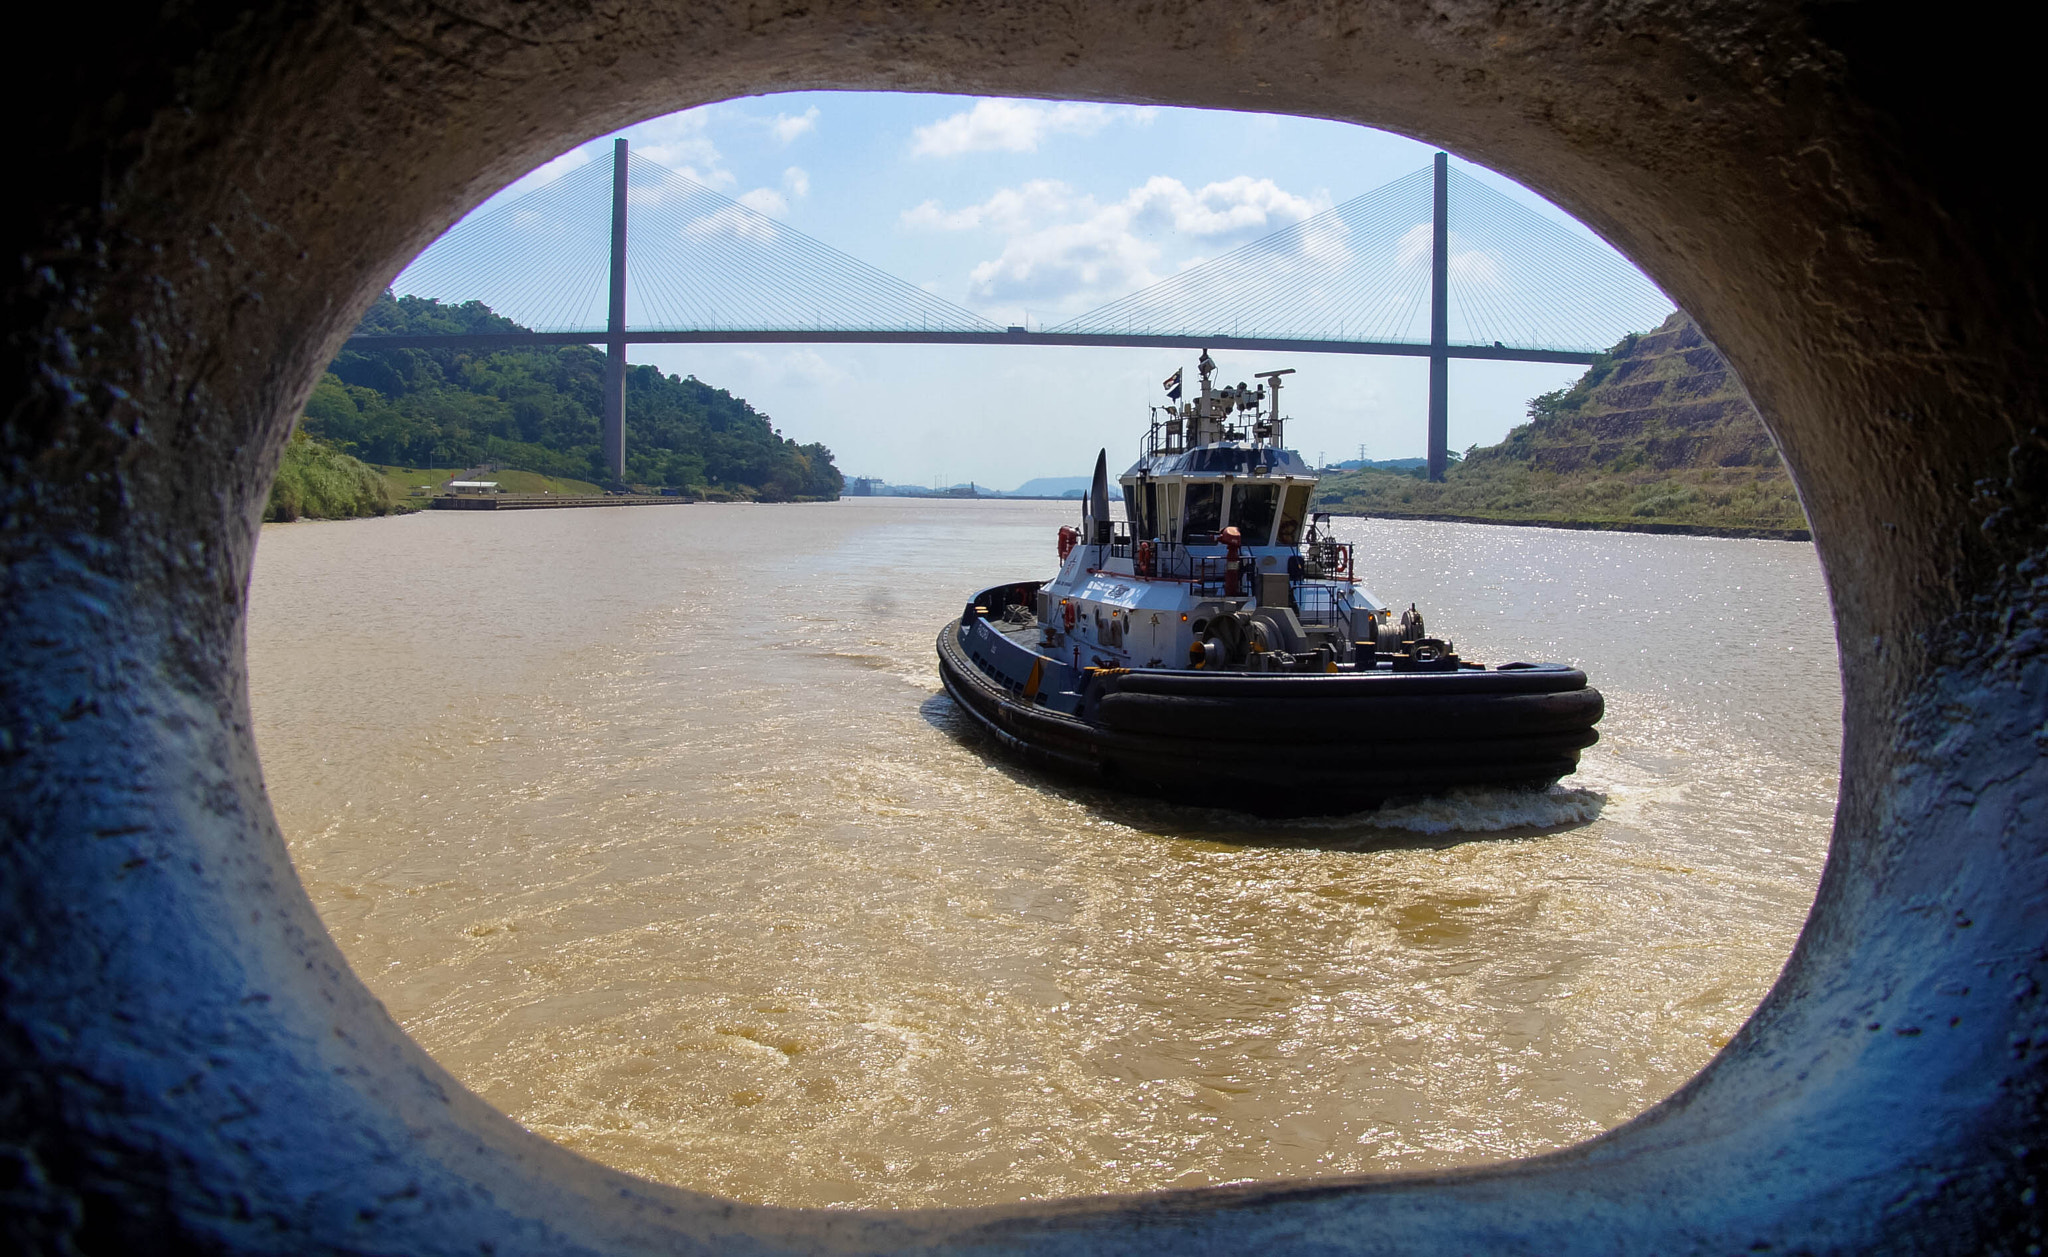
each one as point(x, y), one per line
point(1286, 745)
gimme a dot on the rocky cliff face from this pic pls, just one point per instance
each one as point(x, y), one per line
point(1658, 435)
point(1664, 401)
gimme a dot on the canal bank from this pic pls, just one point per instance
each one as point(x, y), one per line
point(1651, 528)
point(548, 501)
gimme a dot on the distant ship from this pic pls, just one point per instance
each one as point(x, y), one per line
point(1216, 648)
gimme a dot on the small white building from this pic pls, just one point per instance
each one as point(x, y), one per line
point(473, 486)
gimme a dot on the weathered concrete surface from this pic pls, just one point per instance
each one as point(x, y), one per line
point(206, 194)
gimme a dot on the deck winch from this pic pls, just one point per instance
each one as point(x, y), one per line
point(1407, 647)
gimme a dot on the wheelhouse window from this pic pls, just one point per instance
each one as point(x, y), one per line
point(1292, 514)
point(1205, 510)
point(1141, 508)
point(1252, 507)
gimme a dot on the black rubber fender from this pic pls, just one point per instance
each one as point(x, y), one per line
point(1453, 715)
point(1545, 678)
point(1294, 775)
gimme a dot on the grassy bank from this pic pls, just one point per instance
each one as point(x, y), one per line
point(1716, 501)
point(411, 482)
point(317, 481)
point(1759, 532)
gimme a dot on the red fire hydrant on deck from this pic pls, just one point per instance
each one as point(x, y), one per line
point(1232, 539)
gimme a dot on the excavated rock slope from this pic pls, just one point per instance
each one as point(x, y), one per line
point(1658, 437)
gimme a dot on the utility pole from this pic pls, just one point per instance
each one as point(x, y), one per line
point(615, 327)
point(1440, 325)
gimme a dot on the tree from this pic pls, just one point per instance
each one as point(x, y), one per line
point(537, 410)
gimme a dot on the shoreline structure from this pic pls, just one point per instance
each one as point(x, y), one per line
point(1730, 531)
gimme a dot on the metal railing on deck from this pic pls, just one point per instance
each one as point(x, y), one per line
point(1317, 604)
point(1209, 576)
point(1169, 560)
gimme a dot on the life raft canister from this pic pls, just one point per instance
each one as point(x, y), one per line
point(1145, 557)
point(1068, 538)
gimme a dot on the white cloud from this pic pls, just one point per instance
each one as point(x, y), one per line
point(645, 194)
point(797, 182)
point(1232, 206)
point(787, 127)
point(765, 201)
point(547, 172)
point(1013, 126)
point(1010, 211)
point(801, 368)
point(932, 216)
point(1064, 249)
point(734, 221)
point(681, 141)
point(1476, 266)
point(807, 368)
point(1413, 247)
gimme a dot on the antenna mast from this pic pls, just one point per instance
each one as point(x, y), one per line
point(1272, 378)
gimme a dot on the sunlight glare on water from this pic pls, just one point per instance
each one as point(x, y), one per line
point(656, 828)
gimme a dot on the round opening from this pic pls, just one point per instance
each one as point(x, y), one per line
point(199, 1067)
point(651, 824)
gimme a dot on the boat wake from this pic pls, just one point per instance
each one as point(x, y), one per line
point(1470, 811)
point(1485, 810)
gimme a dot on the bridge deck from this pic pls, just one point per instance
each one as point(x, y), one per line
point(1400, 349)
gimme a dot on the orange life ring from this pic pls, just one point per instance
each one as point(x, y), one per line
point(1071, 614)
point(1145, 558)
point(1069, 537)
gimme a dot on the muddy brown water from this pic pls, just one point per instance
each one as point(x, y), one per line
point(655, 827)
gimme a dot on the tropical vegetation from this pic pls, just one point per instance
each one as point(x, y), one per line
point(317, 481)
point(536, 410)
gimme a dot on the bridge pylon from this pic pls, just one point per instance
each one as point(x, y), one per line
point(615, 327)
point(1440, 323)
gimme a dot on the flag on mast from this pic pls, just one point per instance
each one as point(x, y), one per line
point(1172, 386)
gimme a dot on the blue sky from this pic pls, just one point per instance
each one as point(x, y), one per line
point(1037, 211)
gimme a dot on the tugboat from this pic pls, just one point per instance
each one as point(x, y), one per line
point(1216, 647)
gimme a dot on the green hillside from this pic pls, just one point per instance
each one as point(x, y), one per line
point(537, 410)
point(1656, 436)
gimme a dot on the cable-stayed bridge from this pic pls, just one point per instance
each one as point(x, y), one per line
point(1434, 265)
